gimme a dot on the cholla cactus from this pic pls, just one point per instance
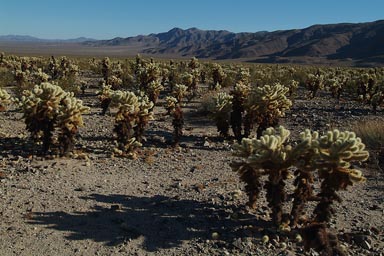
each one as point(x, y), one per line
point(144, 116)
point(105, 97)
point(334, 153)
point(315, 83)
point(48, 106)
point(114, 81)
point(69, 119)
point(265, 105)
point(292, 85)
point(41, 106)
point(146, 73)
point(304, 174)
point(179, 92)
point(218, 75)
point(243, 76)
point(40, 77)
point(170, 104)
point(153, 90)
point(377, 100)
point(269, 155)
point(174, 109)
point(5, 99)
point(239, 95)
point(220, 108)
point(131, 119)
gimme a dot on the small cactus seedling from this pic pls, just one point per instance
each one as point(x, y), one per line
point(220, 109)
point(5, 99)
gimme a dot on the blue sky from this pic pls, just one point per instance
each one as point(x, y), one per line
point(105, 19)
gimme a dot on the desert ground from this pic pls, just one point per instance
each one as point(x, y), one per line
point(170, 201)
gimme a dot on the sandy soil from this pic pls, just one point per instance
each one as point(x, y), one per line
point(183, 201)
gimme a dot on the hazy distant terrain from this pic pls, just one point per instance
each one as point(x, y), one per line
point(345, 44)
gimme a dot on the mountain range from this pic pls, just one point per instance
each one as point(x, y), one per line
point(353, 43)
point(22, 38)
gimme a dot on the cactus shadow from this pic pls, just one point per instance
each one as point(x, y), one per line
point(158, 222)
point(14, 146)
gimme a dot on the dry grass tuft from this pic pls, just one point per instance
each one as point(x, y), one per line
point(371, 133)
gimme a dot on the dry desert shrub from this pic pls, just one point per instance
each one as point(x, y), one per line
point(371, 132)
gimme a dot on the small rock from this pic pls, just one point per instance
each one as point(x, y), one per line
point(207, 144)
point(238, 244)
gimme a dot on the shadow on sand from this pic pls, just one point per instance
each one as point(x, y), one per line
point(162, 222)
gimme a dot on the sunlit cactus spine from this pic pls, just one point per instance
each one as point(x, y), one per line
point(5, 99)
point(220, 109)
point(69, 119)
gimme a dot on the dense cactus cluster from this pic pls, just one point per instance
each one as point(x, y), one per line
point(329, 157)
point(239, 96)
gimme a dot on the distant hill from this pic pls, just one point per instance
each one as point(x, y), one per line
point(358, 41)
point(21, 38)
point(359, 44)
